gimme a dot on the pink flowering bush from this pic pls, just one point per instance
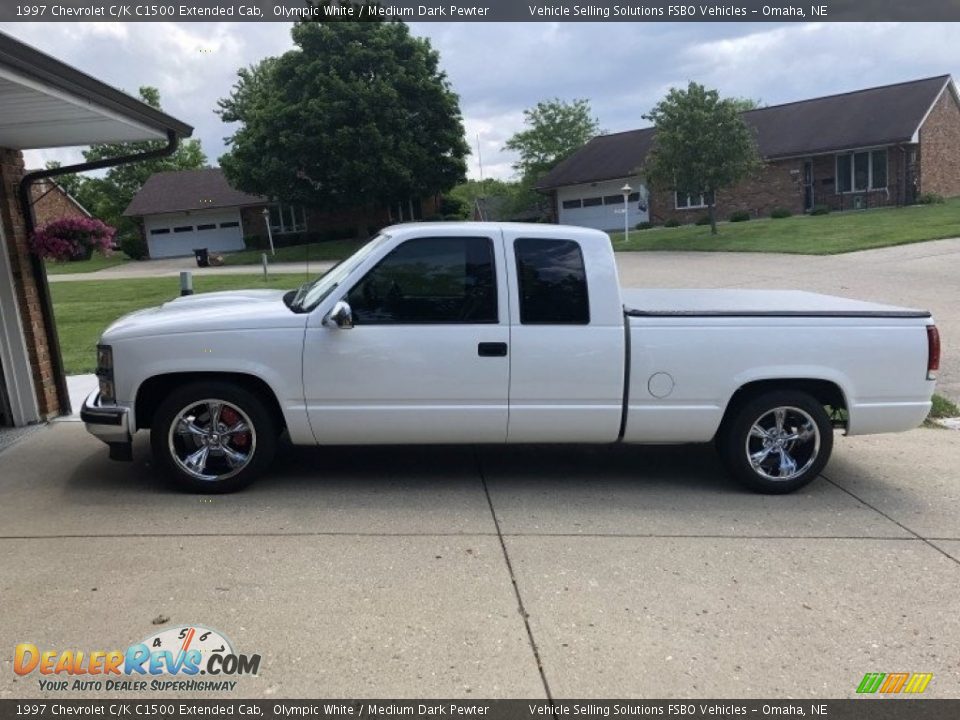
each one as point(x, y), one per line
point(72, 237)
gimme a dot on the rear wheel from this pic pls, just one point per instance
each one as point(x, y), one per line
point(776, 442)
point(213, 437)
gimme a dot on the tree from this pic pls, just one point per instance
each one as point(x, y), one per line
point(360, 114)
point(701, 145)
point(554, 130)
point(107, 196)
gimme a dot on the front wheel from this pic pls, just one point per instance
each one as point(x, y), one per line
point(776, 442)
point(213, 437)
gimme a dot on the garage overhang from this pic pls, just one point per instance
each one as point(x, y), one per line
point(45, 103)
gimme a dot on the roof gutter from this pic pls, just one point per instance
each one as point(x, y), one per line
point(36, 263)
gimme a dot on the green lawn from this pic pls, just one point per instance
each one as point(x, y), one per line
point(808, 235)
point(84, 309)
point(97, 262)
point(323, 251)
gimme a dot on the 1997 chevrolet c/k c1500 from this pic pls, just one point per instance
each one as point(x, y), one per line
point(506, 333)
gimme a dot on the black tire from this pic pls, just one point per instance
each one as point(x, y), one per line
point(225, 472)
point(804, 417)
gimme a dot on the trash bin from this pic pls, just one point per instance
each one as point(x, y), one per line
point(203, 257)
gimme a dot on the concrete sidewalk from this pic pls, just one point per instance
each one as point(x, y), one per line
point(172, 267)
point(498, 571)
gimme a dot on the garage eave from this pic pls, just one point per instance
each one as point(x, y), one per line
point(46, 103)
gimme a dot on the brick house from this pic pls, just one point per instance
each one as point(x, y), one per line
point(185, 209)
point(51, 202)
point(45, 103)
point(868, 148)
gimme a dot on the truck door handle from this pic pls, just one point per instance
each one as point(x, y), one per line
point(492, 349)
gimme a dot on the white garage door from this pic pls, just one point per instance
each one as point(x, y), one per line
point(600, 205)
point(178, 234)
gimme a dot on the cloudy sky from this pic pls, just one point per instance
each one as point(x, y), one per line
point(500, 69)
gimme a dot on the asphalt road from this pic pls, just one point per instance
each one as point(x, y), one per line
point(497, 571)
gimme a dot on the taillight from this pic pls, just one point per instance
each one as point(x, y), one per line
point(933, 352)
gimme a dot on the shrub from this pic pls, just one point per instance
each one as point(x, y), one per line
point(672, 222)
point(255, 242)
point(930, 199)
point(134, 247)
point(703, 220)
point(780, 212)
point(739, 216)
point(70, 238)
point(646, 225)
point(820, 210)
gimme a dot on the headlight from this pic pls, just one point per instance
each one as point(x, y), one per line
point(108, 393)
point(104, 357)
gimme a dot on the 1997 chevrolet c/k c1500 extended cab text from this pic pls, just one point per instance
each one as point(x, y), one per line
point(506, 333)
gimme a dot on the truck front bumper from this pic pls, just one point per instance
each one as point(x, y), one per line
point(109, 423)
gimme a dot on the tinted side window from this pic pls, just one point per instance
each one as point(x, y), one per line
point(429, 280)
point(553, 282)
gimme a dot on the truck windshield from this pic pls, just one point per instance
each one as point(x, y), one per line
point(312, 292)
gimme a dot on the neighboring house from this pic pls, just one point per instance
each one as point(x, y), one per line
point(182, 210)
point(51, 202)
point(45, 103)
point(869, 148)
point(185, 209)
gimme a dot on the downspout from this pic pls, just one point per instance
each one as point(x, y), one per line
point(36, 263)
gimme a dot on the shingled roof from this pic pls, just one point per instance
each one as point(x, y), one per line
point(875, 116)
point(181, 190)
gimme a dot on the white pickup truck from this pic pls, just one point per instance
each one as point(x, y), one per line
point(506, 333)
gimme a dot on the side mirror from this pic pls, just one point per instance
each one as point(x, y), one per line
point(340, 317)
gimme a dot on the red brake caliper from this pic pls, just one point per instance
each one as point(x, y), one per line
point(229, 417)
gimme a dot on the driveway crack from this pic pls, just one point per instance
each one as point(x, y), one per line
point(513, 580)
point(896, 522)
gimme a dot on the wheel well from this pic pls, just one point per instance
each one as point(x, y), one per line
point(153, 390)
point(826, 392)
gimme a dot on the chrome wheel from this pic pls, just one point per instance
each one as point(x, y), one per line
point(212, 440)
point(783, 443)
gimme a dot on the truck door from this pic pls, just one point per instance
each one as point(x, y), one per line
point(567, 344)
point(427, 360)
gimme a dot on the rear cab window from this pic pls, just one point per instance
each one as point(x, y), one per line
point(552, 280)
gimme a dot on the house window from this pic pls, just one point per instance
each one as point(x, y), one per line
point(861, 171)
point(571, 204)
point(287, 218)
point(183, 228)
point(231, 224)
point(160, 231)
point(208, 226)
point(592, 202)
point(686, 201)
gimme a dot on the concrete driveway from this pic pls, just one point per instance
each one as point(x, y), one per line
point(497, 572)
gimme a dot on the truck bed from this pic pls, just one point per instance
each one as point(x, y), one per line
point(754, 303)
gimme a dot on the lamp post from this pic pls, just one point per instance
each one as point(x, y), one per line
point(626, 190)
point(266, 221)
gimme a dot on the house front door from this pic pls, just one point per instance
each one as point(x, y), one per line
point(808, 198)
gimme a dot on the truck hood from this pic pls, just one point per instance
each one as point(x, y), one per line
point(783, 303)
point(217, 311)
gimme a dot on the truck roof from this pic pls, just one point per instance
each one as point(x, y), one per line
point(533, 229)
